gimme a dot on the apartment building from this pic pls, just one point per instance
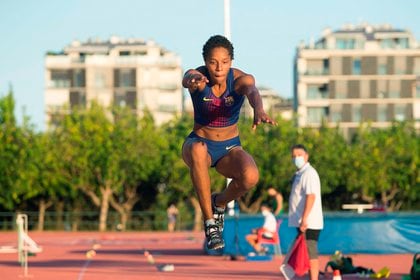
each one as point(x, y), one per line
point(125, 72)
point(357, 74)
point(273, 104)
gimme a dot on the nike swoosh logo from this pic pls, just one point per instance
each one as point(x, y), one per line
point(207, 99)
point(230, 147)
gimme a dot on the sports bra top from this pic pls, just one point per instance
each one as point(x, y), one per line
point(213, 111)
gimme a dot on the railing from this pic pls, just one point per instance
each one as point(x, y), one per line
point(89, 221)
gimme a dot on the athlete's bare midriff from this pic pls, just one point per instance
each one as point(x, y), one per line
point(216, 133)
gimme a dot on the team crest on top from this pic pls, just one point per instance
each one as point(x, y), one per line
point(229, 100)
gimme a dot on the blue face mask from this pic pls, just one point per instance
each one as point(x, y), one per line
point(299, 161)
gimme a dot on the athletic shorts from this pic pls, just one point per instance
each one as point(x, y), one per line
point(312, 236)
point(216, 149)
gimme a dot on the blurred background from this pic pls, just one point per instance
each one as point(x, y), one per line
point(93, 114)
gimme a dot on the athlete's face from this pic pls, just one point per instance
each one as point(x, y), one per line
point(218, 64)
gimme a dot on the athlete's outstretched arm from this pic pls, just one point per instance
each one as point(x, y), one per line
point(245, 84)
point(193, 80)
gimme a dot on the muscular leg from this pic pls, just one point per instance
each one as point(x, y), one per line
point(241, 167)
point(198, 160)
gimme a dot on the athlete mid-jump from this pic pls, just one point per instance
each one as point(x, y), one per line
point(217, 92)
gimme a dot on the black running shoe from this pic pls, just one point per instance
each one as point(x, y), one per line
point(218, 213)
point(214, 238)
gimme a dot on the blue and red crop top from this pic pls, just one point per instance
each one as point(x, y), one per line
point(213, 111)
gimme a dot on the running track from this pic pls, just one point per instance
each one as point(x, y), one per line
point(121, 256)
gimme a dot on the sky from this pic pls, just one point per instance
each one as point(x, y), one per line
point(264, 33)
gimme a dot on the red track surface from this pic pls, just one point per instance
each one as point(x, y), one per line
point(121, 256)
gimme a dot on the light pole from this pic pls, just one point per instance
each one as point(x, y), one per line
point(227, 18)
point(231, 204)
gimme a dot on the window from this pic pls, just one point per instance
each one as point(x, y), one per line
point(119, 99)
point(100, 81)
point(356, 111)
point(382, 88)
point(77, 99)
point(79, 78)
point(382, 69)
point(317, 114)
point(394, 89)
point(403, 43)
point(317, 67)
point(387, 44)
point(125, 77)
point(60, 78)
point(344, 44)
point(326, 66)
point(382, 65)
point(400, 65)
point(336, 115)
point(382, 112)
point(399, 112)
point(341, 89)
point(123, 99)
point(418, 91)
point(356, 67)
point(317, 92)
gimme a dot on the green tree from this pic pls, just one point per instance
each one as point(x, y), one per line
point(16, 168)
point(138, 147)
point(384, 165)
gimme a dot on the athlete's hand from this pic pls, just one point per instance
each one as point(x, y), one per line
point(261, 117)
point(194, 80)
point(303, 225)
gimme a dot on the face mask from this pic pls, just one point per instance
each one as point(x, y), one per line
point(299, 162)
point(265, 212)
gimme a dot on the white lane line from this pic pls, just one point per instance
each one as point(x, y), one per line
point(82, 272)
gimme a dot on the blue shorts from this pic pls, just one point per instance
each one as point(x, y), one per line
point(216, 149)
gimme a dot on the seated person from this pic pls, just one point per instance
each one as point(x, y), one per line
point(268, 229)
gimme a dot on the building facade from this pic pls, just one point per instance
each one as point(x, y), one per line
point(274, 105)
point(134, 73)
point(358, 74)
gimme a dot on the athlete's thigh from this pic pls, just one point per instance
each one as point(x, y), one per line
point(235, 163)
point(195, 148)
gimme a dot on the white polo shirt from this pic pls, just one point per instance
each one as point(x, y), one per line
point(306, 181)
point(270, 222)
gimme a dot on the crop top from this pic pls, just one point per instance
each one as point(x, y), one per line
point(213, 111)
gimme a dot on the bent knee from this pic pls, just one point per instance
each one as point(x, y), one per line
point(250, 178)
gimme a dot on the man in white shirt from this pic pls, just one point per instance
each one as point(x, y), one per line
point(267, 231)
point(305, 207)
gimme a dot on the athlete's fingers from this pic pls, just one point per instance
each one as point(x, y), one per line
point(270, 121)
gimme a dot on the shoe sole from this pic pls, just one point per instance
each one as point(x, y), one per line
point(216, 247)
point(220, 246)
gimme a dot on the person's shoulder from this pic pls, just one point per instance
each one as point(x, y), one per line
point(306, 169)
point(242, 78)
point(311, 171)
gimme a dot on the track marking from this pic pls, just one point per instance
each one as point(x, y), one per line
point(82, 272)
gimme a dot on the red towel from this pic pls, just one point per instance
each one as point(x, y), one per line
point(299, 256)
